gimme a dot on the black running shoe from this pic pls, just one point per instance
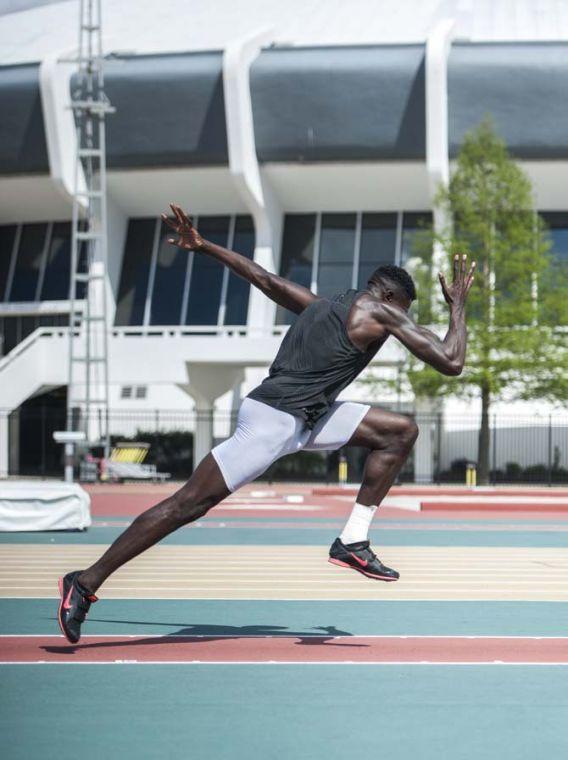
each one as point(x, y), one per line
point(359, 557)
point(73, 607)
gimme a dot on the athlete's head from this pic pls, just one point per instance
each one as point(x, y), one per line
point(393, 284)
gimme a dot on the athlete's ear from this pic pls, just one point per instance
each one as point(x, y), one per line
point(389, 295)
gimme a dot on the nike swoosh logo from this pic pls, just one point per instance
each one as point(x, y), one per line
point(362, 562)
point(67, 601)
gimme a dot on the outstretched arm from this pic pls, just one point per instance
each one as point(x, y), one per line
point(284, 292)
point(446, 355)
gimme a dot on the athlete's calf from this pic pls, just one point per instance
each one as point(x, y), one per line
point(204, 490)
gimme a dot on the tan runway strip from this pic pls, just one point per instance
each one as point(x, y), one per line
point(296, 572)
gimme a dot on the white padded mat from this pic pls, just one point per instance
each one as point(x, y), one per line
point(30, 505)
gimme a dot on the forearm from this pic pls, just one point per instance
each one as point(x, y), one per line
point(446, 354)
point(236, 262)
point(455, 341)
point(283, 292)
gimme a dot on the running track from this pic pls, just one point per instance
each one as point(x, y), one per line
point(236, 639)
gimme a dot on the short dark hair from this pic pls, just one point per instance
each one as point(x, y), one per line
point(396, 275)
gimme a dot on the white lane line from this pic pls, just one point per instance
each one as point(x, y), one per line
point(287, 662)
point(288, 507)
point(460, 637)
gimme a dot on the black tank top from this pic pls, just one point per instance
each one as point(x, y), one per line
point(315, 362)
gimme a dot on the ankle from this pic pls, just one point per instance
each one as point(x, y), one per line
point(87, 583)
point(357, 527)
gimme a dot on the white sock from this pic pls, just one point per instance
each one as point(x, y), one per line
point(357, 526)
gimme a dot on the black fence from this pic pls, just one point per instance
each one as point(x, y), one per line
point(521, 450)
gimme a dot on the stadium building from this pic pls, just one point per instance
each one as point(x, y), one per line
point(309, 136)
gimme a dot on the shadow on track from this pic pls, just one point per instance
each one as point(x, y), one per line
point(199, 633)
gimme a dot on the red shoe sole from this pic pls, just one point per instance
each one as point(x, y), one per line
point(339, 563)
point(60, 586)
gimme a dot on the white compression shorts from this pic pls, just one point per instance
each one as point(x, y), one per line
point(264, 434)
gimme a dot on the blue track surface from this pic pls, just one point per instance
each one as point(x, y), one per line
point(298, 537)
point(359, 618)
point(313, 712)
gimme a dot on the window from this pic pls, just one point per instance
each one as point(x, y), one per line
point(413, 228)
point(336, 253)
point(28, 263)
point(10, 333)
point(133, 287)
point(297, 256)
point(41, 262)
point(207, 275)
point(163, 285)
point(339, 251)
point(238, 290)
point(169, 281)
point(378, 244)
point(55, 285)
point(551, 309)
point(133, 391)
point(14, 330)
point(7, 237)
point(558, 230)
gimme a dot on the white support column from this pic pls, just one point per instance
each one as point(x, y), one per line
point(117, 226)
point(438, 47)
point(425, 447)
point(206, 383)
point(55, 89)
point(244, 167)
point(4, 444)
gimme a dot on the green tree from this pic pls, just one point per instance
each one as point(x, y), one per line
point(518, 305)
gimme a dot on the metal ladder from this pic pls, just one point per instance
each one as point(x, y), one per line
point(88, 392)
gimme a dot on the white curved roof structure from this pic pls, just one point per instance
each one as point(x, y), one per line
point(31, 29)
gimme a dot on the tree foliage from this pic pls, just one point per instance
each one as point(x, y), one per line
point(518, 306)
point(517, 311)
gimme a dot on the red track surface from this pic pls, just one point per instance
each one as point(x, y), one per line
point(446, 491)
point(489, 506)
point(410, 649)
point(108, 501)
point(129, 500)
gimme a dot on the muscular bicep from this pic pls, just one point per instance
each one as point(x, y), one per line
point(289, 294)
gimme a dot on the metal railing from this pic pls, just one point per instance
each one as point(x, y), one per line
point(174, 331)
point(522, 449)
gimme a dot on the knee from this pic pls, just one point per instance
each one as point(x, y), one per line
point(401, 442)
point(409, 433)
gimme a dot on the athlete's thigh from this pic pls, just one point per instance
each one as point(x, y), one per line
point(262, 436)
point(379, 427)
point(337, 427)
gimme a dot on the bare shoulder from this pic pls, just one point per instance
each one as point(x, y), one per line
point(386, 314)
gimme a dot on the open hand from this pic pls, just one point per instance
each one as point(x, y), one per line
point(188, 237)
point(456, 293)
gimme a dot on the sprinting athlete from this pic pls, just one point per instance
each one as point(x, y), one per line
point(295, 408)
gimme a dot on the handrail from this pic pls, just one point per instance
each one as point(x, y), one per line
point(197, 330)
point(20, 348)
point(232, 331)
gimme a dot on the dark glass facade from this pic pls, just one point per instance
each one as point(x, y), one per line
point(378, 244)
point(133, 288)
